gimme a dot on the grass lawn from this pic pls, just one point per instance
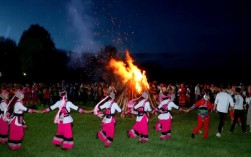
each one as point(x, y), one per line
point(41, 129)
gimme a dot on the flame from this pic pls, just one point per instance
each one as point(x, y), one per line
point(130, 72)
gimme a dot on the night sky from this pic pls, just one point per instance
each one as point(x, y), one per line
point(170, 33)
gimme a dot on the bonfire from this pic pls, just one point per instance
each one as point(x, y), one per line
point(134, 81)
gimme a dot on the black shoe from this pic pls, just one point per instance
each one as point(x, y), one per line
point(127, 133)
point(97, 135)
point(192, 136)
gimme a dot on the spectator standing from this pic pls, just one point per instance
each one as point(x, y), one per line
point(238, 111)
point(248, 102)
point(222, 102)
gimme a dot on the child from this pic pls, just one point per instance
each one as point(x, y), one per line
point(204, 107)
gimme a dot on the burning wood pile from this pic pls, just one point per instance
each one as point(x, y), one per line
point(134, 82)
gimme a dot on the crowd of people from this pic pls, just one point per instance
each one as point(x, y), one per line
point(224, 99)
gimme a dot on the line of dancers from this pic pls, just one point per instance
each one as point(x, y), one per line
point(12, 126)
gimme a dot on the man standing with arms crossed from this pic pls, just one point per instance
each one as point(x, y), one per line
point(222, 102)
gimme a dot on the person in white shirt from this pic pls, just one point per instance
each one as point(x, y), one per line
point(64, 120)
point(140, 128)
point(197, 92)
point(222, 102)
point(106, 134)
point(165, 118)
point(239, 111)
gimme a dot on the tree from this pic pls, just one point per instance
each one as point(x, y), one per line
point(103, 59)
point(37, 51)
point(9, 60)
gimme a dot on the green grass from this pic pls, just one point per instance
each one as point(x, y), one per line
point(41, 129)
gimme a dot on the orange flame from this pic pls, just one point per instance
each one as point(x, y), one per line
point(130, 72)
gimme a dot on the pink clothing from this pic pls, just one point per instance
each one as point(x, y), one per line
point(164, 125)
point(16, 135)
point(140, 128)
point(107, 132)
point(106, 135)
point(109, 128)
point(4, 128)
point(17, 125)
point(64, 136)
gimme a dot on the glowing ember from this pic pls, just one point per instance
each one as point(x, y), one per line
point(130, 72)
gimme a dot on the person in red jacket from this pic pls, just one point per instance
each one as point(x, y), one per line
point(204, 107)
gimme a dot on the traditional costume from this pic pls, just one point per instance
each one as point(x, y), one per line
point(63, 119)
point(165, 117)
point(140, 128)
point(204, 107)
point(106, 134)
point(16, 122)
point(4, 128)
point(182, 95)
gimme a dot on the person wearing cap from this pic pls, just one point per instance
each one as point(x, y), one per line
point(17, 124)
point(239, 111)
point(204, 108)
point(221, 105)
point(4, 128)
point(140, 128)
point(64, 120)
point(106, 134)
point(165, 117)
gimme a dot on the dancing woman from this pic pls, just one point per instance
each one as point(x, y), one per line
point(106, 134)
point(16, 121)
point(4, 128)
point(63, 119)
point(140, 128)
point(165, 118)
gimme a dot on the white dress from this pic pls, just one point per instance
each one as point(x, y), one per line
point(248, 101)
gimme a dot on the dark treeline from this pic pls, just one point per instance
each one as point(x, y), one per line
point(36, 59)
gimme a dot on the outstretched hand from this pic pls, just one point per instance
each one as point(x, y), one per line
point(122, 115)
point(187, 110)
point(88, 111)
point(37, 111)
